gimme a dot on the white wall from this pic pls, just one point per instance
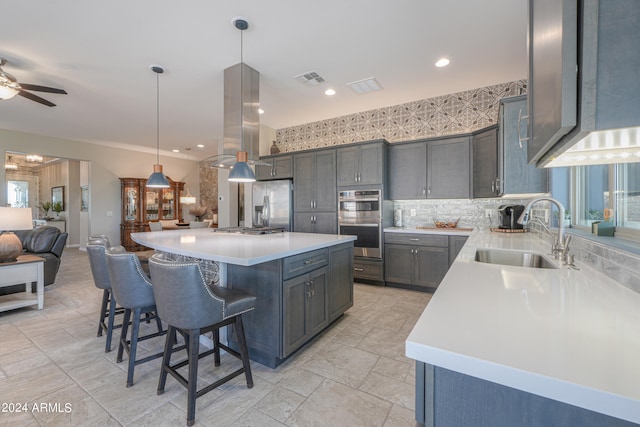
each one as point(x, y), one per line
point(107, 165)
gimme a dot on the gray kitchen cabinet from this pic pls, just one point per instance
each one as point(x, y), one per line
point(315, 222)
point(455, 245)
point(314, 177)
point(419, 261)
point(281, 167)
point(586, 78)
point(367, 270)
point(516, 176)
point(339, 290)
point(449, 168)
point(305, 308)
point(408, 171)
point(364, 164)
point(485, 163)
point(297, 297)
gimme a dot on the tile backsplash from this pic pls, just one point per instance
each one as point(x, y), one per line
point(472, 212)
point(452, 114)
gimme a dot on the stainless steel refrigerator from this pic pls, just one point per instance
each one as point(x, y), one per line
point(272, 204)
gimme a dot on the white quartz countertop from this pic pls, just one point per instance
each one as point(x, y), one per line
point(239, 249)
point(572, 336)
point(434, 230)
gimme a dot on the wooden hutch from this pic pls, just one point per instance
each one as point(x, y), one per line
point(141, 205)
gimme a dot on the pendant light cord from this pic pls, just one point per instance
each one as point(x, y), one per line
point(157, 118)
point(241, 93)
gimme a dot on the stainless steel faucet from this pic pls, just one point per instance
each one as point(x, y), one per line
point(560, 248)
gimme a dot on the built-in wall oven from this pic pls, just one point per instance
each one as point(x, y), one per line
point(360, 215)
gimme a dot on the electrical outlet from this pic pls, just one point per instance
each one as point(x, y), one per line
point(413, 212)
point(487, 213)
point(109, 213)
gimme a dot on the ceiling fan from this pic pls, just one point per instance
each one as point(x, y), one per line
point(9, 87)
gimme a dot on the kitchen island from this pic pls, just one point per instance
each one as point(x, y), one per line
point(507, 345)
point(303, 281)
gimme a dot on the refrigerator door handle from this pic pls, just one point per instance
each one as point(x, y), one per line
point(265, 212)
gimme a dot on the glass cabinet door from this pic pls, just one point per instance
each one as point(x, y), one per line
point(151, 205)
point(131, 195)
point(168, 204)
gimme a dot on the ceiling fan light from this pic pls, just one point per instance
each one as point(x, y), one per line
point(7, 92)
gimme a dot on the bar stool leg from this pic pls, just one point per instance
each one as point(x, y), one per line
point(216, 347)
point(166, 358)
point(244, 350)
point(133, 346)
point(194, 343)
point(103, 311)
point(123, 334)
point(112, 315)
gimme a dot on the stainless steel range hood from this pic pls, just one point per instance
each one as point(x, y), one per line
point(241, 117)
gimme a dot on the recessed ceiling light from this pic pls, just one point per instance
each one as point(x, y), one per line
point(260, 111)
point(176, 150)
point(442, 62)
point(200, 146)
point(329, 92)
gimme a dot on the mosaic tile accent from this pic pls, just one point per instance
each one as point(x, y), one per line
point(470, 211)
point(210, 269)
point(461, 112)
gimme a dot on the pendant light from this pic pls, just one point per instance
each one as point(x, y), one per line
point(187, 199)
point(241, 172)
point(157, 178)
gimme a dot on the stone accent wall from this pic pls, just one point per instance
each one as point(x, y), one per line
point(457, 113)
point(209, 189)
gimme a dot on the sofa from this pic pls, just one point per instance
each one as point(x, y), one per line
point(46, 242)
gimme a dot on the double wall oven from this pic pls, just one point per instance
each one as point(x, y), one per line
point(361, 214)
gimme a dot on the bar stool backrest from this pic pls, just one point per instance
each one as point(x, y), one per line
point(130, 286)
point(183, 298)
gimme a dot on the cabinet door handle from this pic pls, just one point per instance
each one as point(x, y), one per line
point(358, 269)
point(493, 186)
point(414, 240)
point(424, 191)
point(498, 186)
point(429, 190)
point(520, 118)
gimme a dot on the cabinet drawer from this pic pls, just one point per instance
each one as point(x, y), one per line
point(368, 270)
point(417, 239)
point(303, 263)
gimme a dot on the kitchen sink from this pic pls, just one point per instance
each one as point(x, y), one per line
point(513, 258)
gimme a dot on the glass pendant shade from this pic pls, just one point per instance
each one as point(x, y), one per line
point(187, 199)
point(157, 178)
point(241, 171)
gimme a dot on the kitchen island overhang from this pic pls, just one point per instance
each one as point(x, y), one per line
point(303, 281)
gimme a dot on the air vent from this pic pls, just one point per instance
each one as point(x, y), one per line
point(370, 84)
point(310, 78)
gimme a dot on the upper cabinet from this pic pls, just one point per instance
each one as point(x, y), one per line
point(364, 164)
point(449, 168)
point(515, 175)
point(280, 167)
point(433, 169)
point(408, 171)
point(583, 66)
point(485, 163)
point(314, 178)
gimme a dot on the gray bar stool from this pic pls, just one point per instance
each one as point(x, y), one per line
point(192, 307)
point(98, 262)
point(133, 291)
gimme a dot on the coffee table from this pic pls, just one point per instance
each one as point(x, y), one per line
point(27, 269)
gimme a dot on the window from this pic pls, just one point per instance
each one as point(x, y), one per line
point(18, 194)
point(600, 191)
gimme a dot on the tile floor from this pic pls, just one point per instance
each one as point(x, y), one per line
point(353, 374)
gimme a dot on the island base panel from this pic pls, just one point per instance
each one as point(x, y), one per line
point(446, 398)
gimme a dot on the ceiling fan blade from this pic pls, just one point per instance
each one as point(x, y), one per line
point(38, 88)
point(35, 98)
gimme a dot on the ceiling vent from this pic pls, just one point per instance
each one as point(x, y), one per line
point(370, 84)
point(311, 78)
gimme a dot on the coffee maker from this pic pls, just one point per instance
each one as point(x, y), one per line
point(508, 216)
